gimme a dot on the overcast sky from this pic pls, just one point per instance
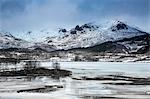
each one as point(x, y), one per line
point(19, 16)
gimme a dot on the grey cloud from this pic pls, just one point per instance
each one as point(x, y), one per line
point(18, 16)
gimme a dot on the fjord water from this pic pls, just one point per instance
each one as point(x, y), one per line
point(77, 89)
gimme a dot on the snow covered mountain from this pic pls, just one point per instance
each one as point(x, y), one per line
point(115, 37)
point(9, 41)
point(90, 34)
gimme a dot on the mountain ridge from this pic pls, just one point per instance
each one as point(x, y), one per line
point(88, 35)
point(84, 36)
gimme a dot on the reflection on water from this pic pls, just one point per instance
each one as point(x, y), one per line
point(76, 87)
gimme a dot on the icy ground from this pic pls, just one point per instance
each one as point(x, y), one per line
point(81, 89)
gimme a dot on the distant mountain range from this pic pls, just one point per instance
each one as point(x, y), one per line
point(113, 37)
point(9, 41)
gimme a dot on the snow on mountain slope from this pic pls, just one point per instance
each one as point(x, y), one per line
point(9, 41)
point(90, 34)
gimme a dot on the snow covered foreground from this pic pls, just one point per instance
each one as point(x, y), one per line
point(30, 96)
point(74, 89)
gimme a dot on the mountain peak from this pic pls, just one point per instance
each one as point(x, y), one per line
point(9, 41)
point(6, 34)
point(81, 36)
point(119, 25)
point(91, 34)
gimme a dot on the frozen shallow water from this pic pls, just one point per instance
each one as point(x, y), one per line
point(81, 89)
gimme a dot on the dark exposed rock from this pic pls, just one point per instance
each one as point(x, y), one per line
point(63, 30)
point(50, 41)
point(119, 26)
point(78, 28)
point(86, 26)
point(73, 32)
point(17, 39)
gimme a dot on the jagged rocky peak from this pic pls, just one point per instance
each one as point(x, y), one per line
point(118, 25)
point(91, 34)
point(62, 30)
point(6, 34)
point(89, 26)
point(83, 28)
